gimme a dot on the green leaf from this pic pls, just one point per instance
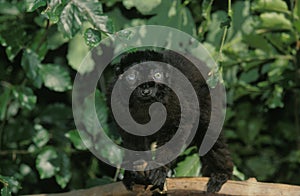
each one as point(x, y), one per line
point(250, 76)
point(62, 113)
point(275, 100)
point(278, 68)
point(101, 111)
point(76, 12)
point(54, 10)
point(76, 140)
point(92, 37)
point(55, 77)
point(118, 19)
point(70, 20)
point(274, 22)
point(262, 166)
point(94, 14)
point(4, 101)
point(238, 173)
point(296, 12)
point(10, 184)
point(281, 41)
point(32, 5)
point(109, 151)
point(25, 169)
point(257, 41)
point(215, 32)
point(50, 163)
point(101, 107)
point(254, 127)
point(190, 166)
point(270, 6)
point(76, 55)
point(215, 77)
point(25, 97)
point(38, 45)
point(64, 174)
point(55, 38)
point(5, 191)
point(41, 137)
point(13, 36)
point(173, 14)
point(189, 151)
point(144, 7)
point(31, 63)
point(9, 8)
point(44, 165)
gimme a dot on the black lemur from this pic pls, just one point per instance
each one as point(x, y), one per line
point(216, 164)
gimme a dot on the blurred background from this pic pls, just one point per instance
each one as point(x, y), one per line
point(256, 44)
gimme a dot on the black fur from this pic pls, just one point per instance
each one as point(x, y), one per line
point(216, 164)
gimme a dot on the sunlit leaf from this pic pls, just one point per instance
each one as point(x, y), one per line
point(64, 174)
point(92, 37)
point(274, 21)
point(76, 140)
point(270, 5)
point(41, 137)
point(70, 20)
point(54, 10)
point(44, 166)
point(190, 166)
point(76, 12)
point(275, 100)
point(25, 97)
point(238, 173)
point(76, 55)
point(55, 77)
point(32, 5)
point(10, 185)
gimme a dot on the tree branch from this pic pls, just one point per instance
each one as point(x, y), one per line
point(190, 186)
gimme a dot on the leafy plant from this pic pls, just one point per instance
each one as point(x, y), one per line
point(256, 44)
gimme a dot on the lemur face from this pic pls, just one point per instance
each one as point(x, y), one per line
point(147, 79)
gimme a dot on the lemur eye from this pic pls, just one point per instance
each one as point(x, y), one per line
point(157, 76)
point(131, 77)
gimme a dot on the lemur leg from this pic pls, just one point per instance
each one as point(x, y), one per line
point(217, 164)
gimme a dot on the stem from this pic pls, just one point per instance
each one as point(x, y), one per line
point(229, 12)
point(14, 152)
point(3, 182)
point(220, 58)
point(117, 173)
point(229, 9)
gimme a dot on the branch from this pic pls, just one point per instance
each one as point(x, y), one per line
point(191, 186)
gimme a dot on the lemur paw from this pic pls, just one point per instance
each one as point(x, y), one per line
point(216, 181)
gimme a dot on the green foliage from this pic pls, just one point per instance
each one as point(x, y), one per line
point(9, 185)
point(44, 41)
point(190, 166)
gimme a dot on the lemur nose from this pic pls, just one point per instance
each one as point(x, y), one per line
point(146, 92)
